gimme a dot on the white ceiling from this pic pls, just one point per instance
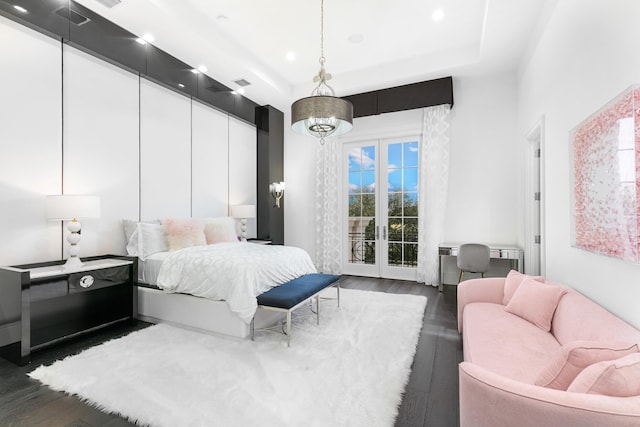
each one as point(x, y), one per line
point(400, 41)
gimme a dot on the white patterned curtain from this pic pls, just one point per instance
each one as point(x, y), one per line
point(434, 182)
point(328, 242)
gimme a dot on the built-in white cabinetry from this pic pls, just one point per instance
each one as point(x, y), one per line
point(101, 133)
point(165, 153)
point(73, 123)
point(243, 163)
point(30, 143)
point(210, 161)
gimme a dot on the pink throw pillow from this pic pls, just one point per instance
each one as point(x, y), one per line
point(183, 233)
point(220, 230)
point(619, 378)
point(574, 356)
point(536, 302)
point(512, 281)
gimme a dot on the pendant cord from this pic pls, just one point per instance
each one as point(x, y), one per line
point(321, 32)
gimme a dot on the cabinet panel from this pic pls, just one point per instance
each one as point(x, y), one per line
point(210, 163)
point(31, 141)
point(101, 146)
point(243, 160)
point(165, 153)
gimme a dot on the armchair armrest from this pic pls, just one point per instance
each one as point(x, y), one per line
point(491, 400)
point(490, 289)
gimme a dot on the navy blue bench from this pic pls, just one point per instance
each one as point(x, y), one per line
point(294, 293)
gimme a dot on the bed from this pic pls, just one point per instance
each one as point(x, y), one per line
point(209, 287)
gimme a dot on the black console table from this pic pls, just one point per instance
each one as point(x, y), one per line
point(43, 303)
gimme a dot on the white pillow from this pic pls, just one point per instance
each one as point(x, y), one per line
point(147, 239)
point(129, 226)
point(219, 230)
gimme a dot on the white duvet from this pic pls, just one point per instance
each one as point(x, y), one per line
point(233, 272)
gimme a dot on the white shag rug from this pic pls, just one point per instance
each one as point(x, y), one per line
point(349, 371)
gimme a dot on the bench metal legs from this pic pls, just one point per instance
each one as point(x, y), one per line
point(289, 311)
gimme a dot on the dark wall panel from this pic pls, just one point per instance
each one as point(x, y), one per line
point(400, 98)
point(41, 16)
point(214, 93)
point(170, 72)
point(107, 40)
point(270, 122)
point(72, 23)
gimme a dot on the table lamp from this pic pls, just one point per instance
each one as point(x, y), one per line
point(70, 208)
point(242, 212)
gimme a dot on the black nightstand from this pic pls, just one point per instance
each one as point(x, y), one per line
point(259, 241)
point(43, 303)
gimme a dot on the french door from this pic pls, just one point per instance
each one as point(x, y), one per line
point(380, 221)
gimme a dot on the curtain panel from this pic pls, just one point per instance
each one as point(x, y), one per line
point(328, 207)
point(433, 187)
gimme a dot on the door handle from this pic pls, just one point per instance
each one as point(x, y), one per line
point(377, 232)
point(384, 232)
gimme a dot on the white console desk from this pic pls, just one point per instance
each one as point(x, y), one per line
point(512, 253)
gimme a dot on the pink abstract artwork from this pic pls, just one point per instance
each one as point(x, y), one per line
point(605, 151)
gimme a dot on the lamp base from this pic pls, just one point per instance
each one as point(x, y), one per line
point(73, 263)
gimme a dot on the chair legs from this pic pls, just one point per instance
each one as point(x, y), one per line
point(462, 276)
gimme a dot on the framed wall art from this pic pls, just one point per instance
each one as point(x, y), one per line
point(605, 174)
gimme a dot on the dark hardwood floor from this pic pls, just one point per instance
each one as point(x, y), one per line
point(430, 399)
point(431, 396)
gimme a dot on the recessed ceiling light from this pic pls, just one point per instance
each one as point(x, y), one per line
point(240, 90)
point(20, 9)
point(356, 38)
point(290, 56)
point(180, 85)
point(149, 37)
point(437, 15)
point(202, 69)
point(194, 71)
point(141, 41)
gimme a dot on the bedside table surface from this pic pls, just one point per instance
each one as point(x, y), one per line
point(56, 270)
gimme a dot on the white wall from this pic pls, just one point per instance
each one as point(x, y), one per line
point(585, 56)
point(483, 186)
point(30, 143)
point(165, 153)
point(210, 161)
point(131, 142)
point(101, 103)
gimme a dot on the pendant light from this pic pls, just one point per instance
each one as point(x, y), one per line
point(322, 114)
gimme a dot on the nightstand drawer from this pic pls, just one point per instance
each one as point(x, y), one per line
point(96, 279)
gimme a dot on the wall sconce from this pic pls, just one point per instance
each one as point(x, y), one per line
point(277, 191)
point(70, 209)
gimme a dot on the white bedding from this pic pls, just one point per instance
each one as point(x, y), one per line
point(234, 272)
point(149, 268)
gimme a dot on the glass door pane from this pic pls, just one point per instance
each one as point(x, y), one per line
point(362, 205)
point(402, 207)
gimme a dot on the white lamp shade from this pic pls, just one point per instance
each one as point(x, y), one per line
point(243, 211)
point(66, 207)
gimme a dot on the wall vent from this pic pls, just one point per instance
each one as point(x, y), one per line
point(71, 15)
point(241, 82)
